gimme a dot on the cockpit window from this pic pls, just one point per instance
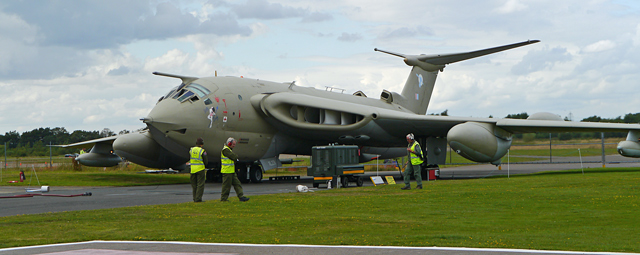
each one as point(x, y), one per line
point(184, 92)
point(172, 90)
point(200, 90)
point(185, 96)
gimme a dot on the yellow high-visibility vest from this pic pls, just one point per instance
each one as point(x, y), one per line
point(196, 161)
point(415, 160)
point(227, 164)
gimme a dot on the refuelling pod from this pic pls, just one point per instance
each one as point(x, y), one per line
point(99, 156)
point(479, 142)
point(631, 146)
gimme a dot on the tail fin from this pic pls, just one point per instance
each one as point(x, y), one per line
point(416, 93)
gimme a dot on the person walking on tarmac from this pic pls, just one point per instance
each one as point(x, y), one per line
point(228, 170)
point(414, 164)
point(198, 162)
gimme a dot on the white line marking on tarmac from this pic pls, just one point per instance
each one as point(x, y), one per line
point(127, 252)
point(319, 246)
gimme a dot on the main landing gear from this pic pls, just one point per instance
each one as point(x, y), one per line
point(248, 172)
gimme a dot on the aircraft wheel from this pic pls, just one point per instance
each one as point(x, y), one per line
point(315, 184)
point(242, 172)
point(359, 181)
point(344, 181)
point(255, 174)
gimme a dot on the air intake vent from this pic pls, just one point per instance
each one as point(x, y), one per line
point(323, 116)
point(386, 96)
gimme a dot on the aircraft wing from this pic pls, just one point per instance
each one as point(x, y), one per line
point(100, 154)
point(428, 125)
point(105, 140)
point(548, 126)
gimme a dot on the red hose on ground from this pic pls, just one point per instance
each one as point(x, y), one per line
point(48, 195)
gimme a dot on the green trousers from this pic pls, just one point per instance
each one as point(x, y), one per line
point(416, 170)
point(197, 185)
point(229, 180)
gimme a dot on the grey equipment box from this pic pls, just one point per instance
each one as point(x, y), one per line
point(333, 161)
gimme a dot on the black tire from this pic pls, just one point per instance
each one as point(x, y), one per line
point(359, 181)
point(344, 180)
point(255, 174)
point(316, 185)
point(241, 170)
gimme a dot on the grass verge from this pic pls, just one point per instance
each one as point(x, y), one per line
point(565, 210)
point(112, 176)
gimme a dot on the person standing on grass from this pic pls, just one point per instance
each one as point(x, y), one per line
point(414, 164)
point(228, 171)
point(198, 161)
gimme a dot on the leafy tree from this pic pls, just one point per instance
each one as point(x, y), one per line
point(522, 115)
point(632, 118)
point(444, 113)
point(81, 135)
point(12, 138)
point(106, 133)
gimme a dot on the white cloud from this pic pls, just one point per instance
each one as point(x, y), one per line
point(511, 6)
point(600, 46)
point(174, 59)
point(636, 37)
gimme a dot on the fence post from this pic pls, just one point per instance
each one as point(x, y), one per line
point(550, 157)
point(603, 159)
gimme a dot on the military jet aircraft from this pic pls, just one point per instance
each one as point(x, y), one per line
point(270, 118)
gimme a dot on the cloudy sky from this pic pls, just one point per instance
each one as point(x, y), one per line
point(87, 64)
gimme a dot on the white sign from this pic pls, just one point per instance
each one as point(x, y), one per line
point(377, 180)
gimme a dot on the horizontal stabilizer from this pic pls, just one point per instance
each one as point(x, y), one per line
point(438, 61)
point(443, 59)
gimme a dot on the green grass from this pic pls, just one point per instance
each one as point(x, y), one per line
point(90, 176)
point(597, 211)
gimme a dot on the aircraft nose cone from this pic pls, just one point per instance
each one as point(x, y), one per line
point(166, 116)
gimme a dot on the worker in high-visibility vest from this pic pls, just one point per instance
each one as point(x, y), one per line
point(198, 161)
point(228, 171)
point(414, 164)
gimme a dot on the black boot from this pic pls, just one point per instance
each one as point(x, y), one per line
point(406, 187)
